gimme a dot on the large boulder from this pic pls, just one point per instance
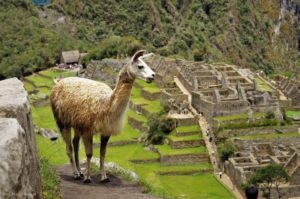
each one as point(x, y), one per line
point(19, 163)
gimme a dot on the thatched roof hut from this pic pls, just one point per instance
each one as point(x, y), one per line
point(70, 57)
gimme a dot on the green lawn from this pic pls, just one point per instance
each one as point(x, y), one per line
point(29, 87)
point(54, 73)
point(262, 85)
point(131, 113)
point(186, 129)
point(293, 113)
point(167, 150)
point(41, 81)
point(186, 138)
point(43, 117)
point(238, 116)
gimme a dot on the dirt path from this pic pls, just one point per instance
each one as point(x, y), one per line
point(115, 189)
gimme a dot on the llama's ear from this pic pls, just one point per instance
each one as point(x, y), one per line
point(137, 55)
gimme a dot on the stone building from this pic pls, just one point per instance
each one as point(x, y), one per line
point(240, 169)
point(216, 89)
point(291, 88)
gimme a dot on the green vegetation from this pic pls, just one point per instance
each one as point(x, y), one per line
point(292, 114)
point(136, 116)
point(167, 150)
point(186, 138)
point(186, 129)
point(240, 116)
point(268, 176)
point(262, 85)
point(50, 181)
point(237, 32)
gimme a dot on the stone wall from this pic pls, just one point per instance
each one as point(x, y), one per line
point(19, 163)
point(257, 130)
point(183, 159)
point(150, 96)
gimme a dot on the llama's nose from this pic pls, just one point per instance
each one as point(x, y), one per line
point(153, 75)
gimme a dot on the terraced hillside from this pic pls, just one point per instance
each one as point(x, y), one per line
point(180, 169)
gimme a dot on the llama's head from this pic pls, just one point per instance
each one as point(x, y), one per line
point(139, 69)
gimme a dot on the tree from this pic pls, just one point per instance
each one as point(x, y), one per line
point(268, 176)
point(226, 151)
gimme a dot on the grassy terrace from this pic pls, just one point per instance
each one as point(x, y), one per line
point(137, 98)
point(187, 129)
point(238, 116)
point(54, 73)
point(269, 136)
point(262, 85)
point(293, 113)
point(186, 138)
point(151, 88)
point(41, 81)
point(131, 113)
point(167, 150)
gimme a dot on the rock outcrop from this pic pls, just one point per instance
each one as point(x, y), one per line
point(19, 164)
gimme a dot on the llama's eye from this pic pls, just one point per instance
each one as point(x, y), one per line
point(140, 66)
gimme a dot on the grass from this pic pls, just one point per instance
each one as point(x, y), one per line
point(54, 73)
point(50, 181)
point(131, 113)
point(292, 114)
point(167, 150)
point(29, 87)
point(199, 186)
point(262, 85)
point(43, 117)
point(41, 81)
point(186, 138)
point(128, 133)
point(239, 116)
point(187, 129)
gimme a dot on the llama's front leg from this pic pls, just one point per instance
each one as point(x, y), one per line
point(88, 144)
point(104, 141)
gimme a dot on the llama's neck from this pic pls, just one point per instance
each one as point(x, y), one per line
point(121, 94)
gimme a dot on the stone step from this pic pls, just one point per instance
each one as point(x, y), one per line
point(169, 156)
point(190, 172)
point(147, 94)
point(186, 141)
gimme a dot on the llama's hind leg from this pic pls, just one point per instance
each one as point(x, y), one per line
point(66, 134)
point(104, 141)
point(76, 140)
point(88, 144)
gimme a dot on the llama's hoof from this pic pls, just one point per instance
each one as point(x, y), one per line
point(87, 180)
point(77, 176)
point(81, 175)
point(106, 180)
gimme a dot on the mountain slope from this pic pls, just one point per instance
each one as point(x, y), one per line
point(257, 34)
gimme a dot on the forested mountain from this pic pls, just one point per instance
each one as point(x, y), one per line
point(261, 34)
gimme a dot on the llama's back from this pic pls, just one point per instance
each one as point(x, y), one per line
point(76, 102)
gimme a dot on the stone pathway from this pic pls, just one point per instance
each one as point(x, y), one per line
point(211, 147)
point(115, 189)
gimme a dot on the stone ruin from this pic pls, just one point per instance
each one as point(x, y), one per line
point(291, 88)
point(243, 167)
point(217, 89)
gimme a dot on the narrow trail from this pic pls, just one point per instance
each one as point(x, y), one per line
point(115, 189)
point(211, 146)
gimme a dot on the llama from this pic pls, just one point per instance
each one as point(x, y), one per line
point(91, 107)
